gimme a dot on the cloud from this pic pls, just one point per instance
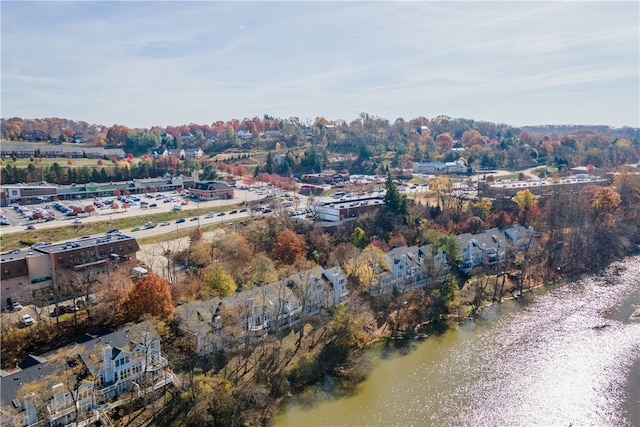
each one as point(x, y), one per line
point(144, 63)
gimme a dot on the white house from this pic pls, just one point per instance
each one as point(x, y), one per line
point(71, 383)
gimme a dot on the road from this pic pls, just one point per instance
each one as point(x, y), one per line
point(108, 214)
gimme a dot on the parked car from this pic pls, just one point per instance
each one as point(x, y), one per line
point(243, 210)
point(77, 221)
point(31, 227)
point(195, 218)
point(209, 215)
point(181, 220)
point(135, 229)
point(16, 306)
point(113, 230)
point(26, 319)
point(221, 214)
point(233, 212)
point(162, 224)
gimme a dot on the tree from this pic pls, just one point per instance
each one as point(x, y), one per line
point(270, 165)
point(359, 238)
point(150, 295)
point(288, 247)
point(527, 203)
point(393, 200)
point(219, 280)
point(366, 268)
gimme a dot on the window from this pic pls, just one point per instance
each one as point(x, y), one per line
point(19, 270)
point(121, 249)
point(6, 272)
point(130, 247)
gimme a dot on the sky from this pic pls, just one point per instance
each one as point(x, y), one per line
point(144, 63)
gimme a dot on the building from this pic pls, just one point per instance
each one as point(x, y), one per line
point(489, 247)
point(211, 190)
point(248, 316)
point(31, 193)
point(29, 273)
point(73, 383)
point(346, 209)
point(430, 168)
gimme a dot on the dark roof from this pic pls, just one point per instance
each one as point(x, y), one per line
point(30, 361)
point(10, 384)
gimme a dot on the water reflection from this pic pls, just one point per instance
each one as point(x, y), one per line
point(561, 358)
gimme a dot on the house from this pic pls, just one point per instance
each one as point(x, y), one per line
point(94, 152)
point(51, 151)
point(487, 248)
point(520, 236)
point(72, 152)
point(244, 134)
point(114, 153)
point(247, 316)
point(191, 153)
point(21, 151)
point(71, 383)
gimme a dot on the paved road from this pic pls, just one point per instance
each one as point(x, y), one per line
point(107, 214)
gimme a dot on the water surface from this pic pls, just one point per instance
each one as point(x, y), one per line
point(567, 357)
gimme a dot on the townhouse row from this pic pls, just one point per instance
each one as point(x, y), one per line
point(248, 316)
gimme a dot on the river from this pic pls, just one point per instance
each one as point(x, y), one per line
point(568, 355)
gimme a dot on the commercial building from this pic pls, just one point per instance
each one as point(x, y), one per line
point(29, 271)
point(345, 209)
point(211, 190)
point(39, 192)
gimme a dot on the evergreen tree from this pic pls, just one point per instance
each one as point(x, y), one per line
point(393, 200)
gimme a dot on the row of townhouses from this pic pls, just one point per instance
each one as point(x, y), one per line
point(225, 323)
point(26, 150)
point(76, 383)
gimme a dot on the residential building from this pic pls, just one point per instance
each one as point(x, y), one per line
point(247, 316)
point(490, 247)
point(74, 382)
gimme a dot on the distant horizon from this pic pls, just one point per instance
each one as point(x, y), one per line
point(331, 121)
point(164, 63)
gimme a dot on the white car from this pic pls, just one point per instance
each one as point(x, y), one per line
point(77, 221)
point(16, 306)
point(26, 319)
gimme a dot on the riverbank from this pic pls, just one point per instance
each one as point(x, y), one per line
point(576, 370)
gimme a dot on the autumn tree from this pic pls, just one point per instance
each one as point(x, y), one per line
point(219, 280)
point(359, 238)
point(527, 204)
point(364, 270)
point(288, 247)
point(150, 295)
